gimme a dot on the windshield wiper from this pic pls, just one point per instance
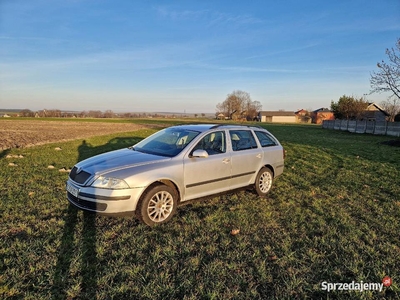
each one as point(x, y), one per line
point(141, 150)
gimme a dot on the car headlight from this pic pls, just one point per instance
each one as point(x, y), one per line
point(110, 183)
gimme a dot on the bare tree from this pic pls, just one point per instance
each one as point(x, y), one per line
point(387, 79)
point(53, 113)
point(392, 107)
point(95, 114)
point(108, 114)
point(26, 113)
point(83, 114)
point(238, 105)
point(253, 107)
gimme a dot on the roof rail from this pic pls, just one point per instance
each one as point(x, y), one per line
point(241, 125)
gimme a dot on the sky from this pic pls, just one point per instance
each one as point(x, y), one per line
point(187, 56)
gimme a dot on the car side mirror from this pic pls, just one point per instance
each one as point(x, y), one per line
point(200, 153)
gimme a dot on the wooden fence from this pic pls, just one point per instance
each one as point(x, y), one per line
point(372, 127)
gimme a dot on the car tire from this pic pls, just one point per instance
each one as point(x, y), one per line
point(157, 205)
point(264, 181)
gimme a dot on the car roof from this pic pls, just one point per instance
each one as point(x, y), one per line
point(205, 127)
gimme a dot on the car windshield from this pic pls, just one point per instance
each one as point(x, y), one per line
point(168, 142)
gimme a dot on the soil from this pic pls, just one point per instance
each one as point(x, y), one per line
point(26, 133)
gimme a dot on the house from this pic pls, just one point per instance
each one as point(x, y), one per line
point(277, 116)
point(303, 116)
point(301, 113)
point(375, 113)
point(321, 114)
point(220, 116)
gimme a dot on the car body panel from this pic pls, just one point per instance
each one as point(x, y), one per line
point(245, 165)
point(209, 175)
point(122, 159)
point(105, 200)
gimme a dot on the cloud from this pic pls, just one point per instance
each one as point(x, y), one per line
point(181, 15)
point(288, 50)
point(157, 57)
point(211, 17)
point(225, 18)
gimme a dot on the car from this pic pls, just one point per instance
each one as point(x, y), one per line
point(173, 166)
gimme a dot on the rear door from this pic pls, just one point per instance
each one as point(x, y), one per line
point(273, 151)
point(246, 156)
point(210, 175)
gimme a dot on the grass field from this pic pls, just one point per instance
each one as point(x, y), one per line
point(333, 216)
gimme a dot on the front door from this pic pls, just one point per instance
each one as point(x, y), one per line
point(204, 176)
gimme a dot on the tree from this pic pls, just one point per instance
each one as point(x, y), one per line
point(95, 114)
point(253, 107)
point(349, 108)
point(53, 113)
point(26, 113)
point(392, 107)
point(108, 114)
point(238, 105)
point(387, 79)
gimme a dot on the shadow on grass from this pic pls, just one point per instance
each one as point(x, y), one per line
point(4, 153)
point(90, 268)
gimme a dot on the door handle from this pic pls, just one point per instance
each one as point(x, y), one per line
point(226, 160)
point(258, 155)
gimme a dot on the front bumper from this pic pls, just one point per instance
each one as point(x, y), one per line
point(103, 201)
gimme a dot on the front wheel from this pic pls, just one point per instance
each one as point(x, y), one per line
point(157, 205)
point(264, 181)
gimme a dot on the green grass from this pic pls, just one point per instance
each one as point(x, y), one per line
point(334, 216)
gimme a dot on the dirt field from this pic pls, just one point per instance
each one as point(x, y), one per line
point(26, 133)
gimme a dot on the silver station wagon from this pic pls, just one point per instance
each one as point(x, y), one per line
point(175, 165)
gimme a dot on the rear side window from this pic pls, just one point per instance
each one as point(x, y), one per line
point(265, 139)
point(242, 140)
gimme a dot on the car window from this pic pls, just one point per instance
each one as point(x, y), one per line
point(265, 139)
point(242, 140)
point(168, 142)
point(213, 143)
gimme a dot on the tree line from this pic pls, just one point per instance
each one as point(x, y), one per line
point(56, 113)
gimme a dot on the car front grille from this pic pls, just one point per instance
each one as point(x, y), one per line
point(81, 177)
point(87, 204)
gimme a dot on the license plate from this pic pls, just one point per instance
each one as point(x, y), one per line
point(73, 190)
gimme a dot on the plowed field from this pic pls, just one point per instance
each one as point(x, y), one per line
point(26, 133)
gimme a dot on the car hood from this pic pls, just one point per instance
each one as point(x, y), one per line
point(118, 160)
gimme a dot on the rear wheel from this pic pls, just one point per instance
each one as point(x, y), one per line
point(157, 205)
point(264, 181)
